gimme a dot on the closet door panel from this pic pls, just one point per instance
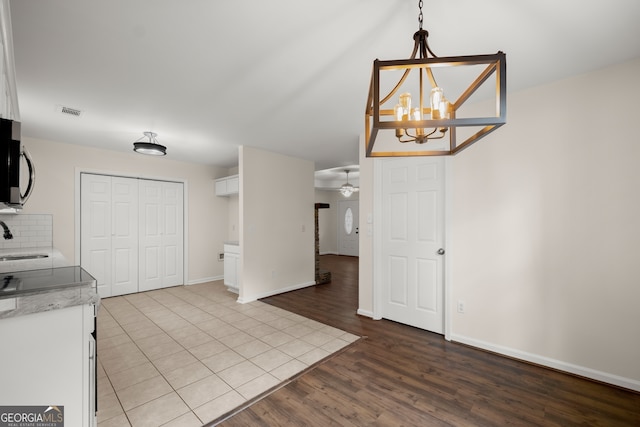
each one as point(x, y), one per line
point(173, 236)
point(151, 235)
point(124, 241)
point(95, 229)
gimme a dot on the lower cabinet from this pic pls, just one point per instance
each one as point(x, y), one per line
point(48, 358)
point(231, 261)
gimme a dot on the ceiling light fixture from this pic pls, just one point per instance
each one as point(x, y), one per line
point(151, 147)
point(347, 189)
point(435, 119)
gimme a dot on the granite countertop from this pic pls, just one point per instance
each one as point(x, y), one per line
point(46, 289)
point(48, 300)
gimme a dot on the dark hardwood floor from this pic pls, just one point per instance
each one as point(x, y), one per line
point(401, 376)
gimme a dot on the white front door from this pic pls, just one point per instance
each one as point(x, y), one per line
point(348, 228)
point(412, 224)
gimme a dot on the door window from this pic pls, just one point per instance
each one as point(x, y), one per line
point(348, 221)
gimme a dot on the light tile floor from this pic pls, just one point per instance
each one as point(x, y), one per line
point(185, 356)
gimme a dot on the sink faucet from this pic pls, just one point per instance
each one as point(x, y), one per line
point(7, 232)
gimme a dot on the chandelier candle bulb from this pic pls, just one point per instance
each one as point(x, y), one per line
point(437, 97)
point(405, 103)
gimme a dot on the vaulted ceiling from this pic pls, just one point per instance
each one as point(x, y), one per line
point(289, 76)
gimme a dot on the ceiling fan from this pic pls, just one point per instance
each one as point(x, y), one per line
point(347, 189)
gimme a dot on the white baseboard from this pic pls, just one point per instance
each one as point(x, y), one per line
point(365, 313)
point(251, 298)
point(551, 363)
point(205, 280)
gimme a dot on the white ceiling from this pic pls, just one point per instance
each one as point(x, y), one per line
point(289, 76)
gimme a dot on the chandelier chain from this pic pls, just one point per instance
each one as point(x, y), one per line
point(420, 17)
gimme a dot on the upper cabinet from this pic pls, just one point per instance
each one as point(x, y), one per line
point(9, 97)
point(228, 185)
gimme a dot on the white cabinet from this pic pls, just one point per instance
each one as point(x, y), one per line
point(228, 185)
point(9, 102)
point(48, 358)
point(231, 264)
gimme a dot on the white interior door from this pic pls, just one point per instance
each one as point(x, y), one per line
point(109, 232)
point(124, 232)
point(150, 238)
point(131, 233)
point(161, 234)
point(95, 229)
point(173, 235)
point(348, 228)
point(412, 226)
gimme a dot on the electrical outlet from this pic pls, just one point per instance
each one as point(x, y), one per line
point(460, 306)
point(221, 256)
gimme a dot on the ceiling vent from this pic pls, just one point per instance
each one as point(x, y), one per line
point(69, 111)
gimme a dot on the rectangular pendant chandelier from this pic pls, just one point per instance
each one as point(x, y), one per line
point(435, 125)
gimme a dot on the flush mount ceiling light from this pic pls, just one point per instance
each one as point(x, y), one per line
point(432, 128)
point(151, 147)
point(347, 189)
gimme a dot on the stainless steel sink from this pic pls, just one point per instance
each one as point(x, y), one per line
point(22, 257)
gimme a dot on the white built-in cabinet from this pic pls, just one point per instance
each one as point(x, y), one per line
point(228, 185)
point(131, 233)
point(231, 264)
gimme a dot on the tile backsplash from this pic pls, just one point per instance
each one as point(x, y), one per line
point(29, 231)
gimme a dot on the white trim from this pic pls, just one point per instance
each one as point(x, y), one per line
point(448, 247)
point(377, 238)
point(245, 300)
point(366, 313)
point(582, 371)
point(185, 209)
point(205, 280)
point(329, 253)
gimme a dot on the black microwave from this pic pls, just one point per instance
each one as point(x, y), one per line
point(11, 155)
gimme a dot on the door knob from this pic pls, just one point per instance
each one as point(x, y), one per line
point(440, 251)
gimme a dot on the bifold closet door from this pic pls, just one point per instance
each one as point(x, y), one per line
point(109, 232)
point(161, 248)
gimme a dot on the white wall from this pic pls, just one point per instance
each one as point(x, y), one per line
point(233, 212)
point(233, 225)
point(277, 225)
point(56, 164)
point(545, 236)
